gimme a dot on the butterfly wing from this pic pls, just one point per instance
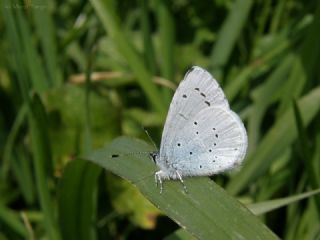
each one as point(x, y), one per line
point(202, 136)
point(198, 91)
point(214, 141)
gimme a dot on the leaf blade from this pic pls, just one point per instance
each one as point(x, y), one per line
point(201, 213)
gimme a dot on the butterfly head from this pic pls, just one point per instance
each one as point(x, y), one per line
point(154, 156)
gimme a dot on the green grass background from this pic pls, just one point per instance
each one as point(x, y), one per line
point(75, 75)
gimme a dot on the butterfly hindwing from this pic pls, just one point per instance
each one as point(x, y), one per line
point(213, 141)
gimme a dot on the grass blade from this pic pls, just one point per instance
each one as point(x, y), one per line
point(37, 76)
point(167, 40)
point(46, 32)
point(11, 219)
point(306, 152)
point(205, 211)
point(267, 206)
point(228, 36)
point(42, 162)
point(279, 137)
point(136, 63)
point(147, 40)
point(76, 200)
point(304, 65)
point(180, 234)
point(9, 146)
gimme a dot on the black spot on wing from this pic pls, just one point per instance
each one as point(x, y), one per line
point(206, 102)
point(181, 115)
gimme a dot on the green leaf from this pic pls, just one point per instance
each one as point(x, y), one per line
point(306, 152)
point(279, 137)
point(167, 42)
point(76, 200)
point(304, 64)
point(149, 55)
point(105, 11)
point(267, 206)
point(42, 163)
point(12, 221)
point(46, 30)
point(180, 234)
point(127, 199)
point(263, 96)
point(228, 35)
point(205, 211)
point(35, 68)
point(9, 146)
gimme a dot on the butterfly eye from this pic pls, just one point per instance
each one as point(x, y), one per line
point(153, 156)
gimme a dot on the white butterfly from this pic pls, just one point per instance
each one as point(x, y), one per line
point(202, 136)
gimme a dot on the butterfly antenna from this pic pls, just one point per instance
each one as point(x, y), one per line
point(118, 155)
point(151, 140)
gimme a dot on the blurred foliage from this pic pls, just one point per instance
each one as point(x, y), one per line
point(74, 75)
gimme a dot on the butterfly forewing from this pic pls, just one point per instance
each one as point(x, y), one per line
point(196, 92)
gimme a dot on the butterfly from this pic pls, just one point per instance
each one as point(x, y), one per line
point(202, 136)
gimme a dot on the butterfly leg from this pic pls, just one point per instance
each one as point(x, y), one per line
point(182, 182)
point(158, 179)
